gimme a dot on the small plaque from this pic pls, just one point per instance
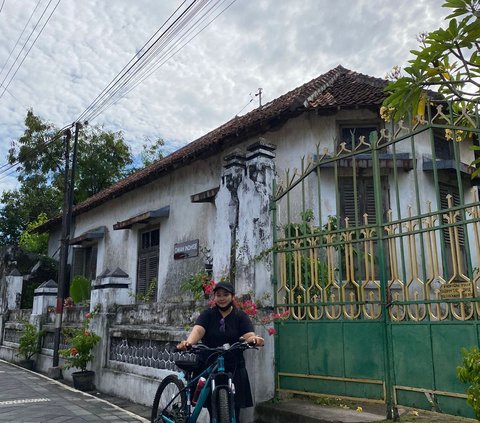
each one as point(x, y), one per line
point(185, 249)
point(452, 290)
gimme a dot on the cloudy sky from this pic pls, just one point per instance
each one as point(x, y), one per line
point(273, 44)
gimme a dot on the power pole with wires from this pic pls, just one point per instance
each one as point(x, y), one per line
point(259, 95)
point(68, 193)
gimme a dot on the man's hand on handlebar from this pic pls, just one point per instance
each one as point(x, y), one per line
point(255, 340)
point(184, 346)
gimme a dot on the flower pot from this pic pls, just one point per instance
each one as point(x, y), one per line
point(27, 364)
point(83, 381)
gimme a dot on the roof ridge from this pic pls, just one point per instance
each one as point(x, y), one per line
point(235, 130)
point(336, 72)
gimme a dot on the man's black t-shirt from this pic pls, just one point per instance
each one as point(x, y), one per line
point(236, 324)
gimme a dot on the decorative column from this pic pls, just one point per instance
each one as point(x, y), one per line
point(43, 297)
point(111, 287)
point(227, 203)
point(14, 289)
point(255, 223)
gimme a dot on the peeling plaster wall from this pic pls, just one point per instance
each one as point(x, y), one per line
point(119, 247)
point(239, 218)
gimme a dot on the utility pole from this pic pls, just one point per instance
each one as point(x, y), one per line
point(69, 183)
point(259, 95)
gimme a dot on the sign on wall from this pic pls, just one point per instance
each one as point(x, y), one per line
point(185, 249)
point(456, 290)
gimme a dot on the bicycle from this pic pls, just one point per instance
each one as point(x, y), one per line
point(173, 400)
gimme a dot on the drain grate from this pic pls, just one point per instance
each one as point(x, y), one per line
point(23, 401)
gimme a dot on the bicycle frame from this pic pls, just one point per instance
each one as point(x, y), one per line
point(211, 372)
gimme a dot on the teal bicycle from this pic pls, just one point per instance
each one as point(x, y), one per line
point(173, 400)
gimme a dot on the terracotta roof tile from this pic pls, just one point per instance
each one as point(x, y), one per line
point(338, 87)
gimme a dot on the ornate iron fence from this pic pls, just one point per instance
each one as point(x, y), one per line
point(377, 256)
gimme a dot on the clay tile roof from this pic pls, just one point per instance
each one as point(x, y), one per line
point(338, 87)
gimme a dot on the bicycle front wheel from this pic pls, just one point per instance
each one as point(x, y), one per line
point(223, 407)
point(170, 401)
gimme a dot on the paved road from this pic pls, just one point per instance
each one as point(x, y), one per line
point(28, 397)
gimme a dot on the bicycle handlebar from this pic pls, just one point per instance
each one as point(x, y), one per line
point(198, 348)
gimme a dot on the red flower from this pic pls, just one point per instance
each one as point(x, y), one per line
point(73, 351)
point(249, 307)
point(88, 315)
point(208, 287)
point(271, 331)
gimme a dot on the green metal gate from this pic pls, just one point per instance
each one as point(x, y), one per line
point(376, 258)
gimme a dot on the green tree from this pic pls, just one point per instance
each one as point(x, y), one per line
point(152, 151)
point(33, 242)
point(447, 61)
point(24, 205)
point(102, 159)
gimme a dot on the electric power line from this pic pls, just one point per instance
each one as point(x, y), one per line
point(156, 55)
point(147, 66)
point(11, 168)
point(20, 36)
point(128, 66)
point(155, 66)
point(28, 51)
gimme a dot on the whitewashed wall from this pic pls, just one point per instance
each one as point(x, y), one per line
point(210, 222)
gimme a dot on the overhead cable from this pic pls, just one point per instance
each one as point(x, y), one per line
point(168, 54)
point(30, 48)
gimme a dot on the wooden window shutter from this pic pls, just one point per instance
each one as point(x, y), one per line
point(153, 270)
point(453, 191)
point(142, 274)
point(347, 201)
point(78, 262)
point(92, 263)
point(369, 201)
point(147, 269)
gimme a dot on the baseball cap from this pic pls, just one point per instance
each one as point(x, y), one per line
point(226, 286)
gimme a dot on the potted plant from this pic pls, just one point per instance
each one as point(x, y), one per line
point(80, 290)
point(29, 344)
point(81, 342)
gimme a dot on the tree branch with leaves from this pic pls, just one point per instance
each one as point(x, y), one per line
point(447, 61)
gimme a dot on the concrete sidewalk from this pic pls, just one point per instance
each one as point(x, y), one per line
point(302, 410)
point(29, 397)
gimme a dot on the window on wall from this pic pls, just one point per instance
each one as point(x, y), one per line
point(148, 257)
point(357, 131)
point(445, 190)
point(85, 261)
point(443, 147)
point(354, 206)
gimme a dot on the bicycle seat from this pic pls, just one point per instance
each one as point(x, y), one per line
point(187, 365)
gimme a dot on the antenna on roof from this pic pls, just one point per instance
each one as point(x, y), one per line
point(259, 95)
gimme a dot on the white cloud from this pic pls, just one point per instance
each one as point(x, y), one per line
point(273, 44)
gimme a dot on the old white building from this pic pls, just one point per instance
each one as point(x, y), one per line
point(211, 201)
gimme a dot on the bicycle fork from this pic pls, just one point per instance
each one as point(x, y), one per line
point(223, 390)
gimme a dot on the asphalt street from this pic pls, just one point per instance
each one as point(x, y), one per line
point(29, 397)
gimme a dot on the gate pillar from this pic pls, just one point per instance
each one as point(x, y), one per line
point(255, 222)
point(226, 224)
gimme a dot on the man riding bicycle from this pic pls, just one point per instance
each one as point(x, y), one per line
point(226, 324)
